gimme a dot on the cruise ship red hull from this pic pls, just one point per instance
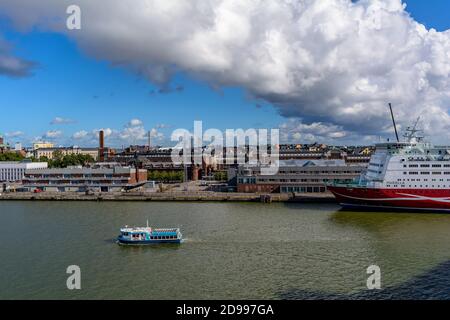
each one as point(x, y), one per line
point(402, 199)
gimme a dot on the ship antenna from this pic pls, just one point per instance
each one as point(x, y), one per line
point(393, 121)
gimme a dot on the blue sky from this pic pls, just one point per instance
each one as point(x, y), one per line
point(70, 85)
point(91, 94)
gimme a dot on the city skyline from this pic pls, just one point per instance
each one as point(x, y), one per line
point(59, 86)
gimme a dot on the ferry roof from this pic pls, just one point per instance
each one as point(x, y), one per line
point(145, 229)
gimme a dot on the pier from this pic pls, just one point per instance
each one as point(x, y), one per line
point(171, 196)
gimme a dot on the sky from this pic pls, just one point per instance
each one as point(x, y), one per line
point(320, 71)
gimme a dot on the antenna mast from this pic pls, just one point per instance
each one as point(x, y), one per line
point(411, 132)
point(393, 121)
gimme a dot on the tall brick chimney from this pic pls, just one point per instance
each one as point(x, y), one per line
point(101, 149)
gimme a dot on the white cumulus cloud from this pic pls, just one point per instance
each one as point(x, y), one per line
point(336, 62)
point(53, 134)
point(135, 123)
point(80, 135)
point(60, 120)
point(133, 132)
point(14, 134)
point(296, 131)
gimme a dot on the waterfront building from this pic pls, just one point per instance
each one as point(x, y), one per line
point(351, 155)
point(298, 176)
point(12, 171)
point(82, 179)
point(158, 160)
point(49, 152)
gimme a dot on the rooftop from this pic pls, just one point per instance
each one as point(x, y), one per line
point(83, 170)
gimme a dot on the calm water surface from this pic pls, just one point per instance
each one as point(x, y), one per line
point(232, 251)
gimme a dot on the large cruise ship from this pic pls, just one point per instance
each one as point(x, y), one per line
point(408, 175)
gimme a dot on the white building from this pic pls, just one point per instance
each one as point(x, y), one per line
point(14, 170)
point(48, 152)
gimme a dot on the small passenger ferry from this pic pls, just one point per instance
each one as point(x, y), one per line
point(148, 235)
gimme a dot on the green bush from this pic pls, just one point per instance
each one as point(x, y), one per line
point(220, 176)
point(165, 176)
point(11, 156)
point(60, 161)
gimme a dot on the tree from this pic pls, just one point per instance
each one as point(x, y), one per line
point(220, 176)
point(57, 155)
point(180, 176)
point(165, 176)
point(69, 160)
point(157, 176)
point(11, 156)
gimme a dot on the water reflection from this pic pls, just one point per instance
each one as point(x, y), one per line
point(385, 225)
point(433, 284)
point(412, 249)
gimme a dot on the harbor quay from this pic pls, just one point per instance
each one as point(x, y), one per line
point(207, 196)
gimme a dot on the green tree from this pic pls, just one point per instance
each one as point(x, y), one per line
point(180, 176)
point(164, 176)
point(157, 176)
point(220, 176)
point(68, 160)
point(57, 155)
point(11, 156)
